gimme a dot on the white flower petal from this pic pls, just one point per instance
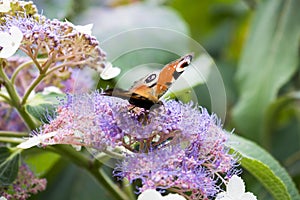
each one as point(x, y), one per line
point(86, 29)
point(235, 190)
point(222, 196)
point(235, 187)
point(173, 197)
point(51, 89)
point(248, 196)
point(35, 140)
point(5, 6)
point(107, 65)
point(110, 72)
point(150, 195)
point(10, 42)
point(16, 34)
point(7, 52)
point(5, 39)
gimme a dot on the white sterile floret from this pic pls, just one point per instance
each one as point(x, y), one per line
point(152, 194)
point(85, 29)
point(5, 6)
point(36, 140)
point(51, 89)
point(109, 71)
point(235, 190)
point(173, 197)
point(10, 42)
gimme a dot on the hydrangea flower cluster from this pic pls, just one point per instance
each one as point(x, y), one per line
point(175, 146)
point(61, 42)
point(24, 186)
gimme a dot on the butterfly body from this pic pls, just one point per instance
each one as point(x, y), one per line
point(146, 92)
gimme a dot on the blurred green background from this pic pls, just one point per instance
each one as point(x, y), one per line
point(254, 44)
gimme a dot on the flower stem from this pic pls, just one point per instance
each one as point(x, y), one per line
point(11, 140)
point(7, 100)
point(32, 86)
point(43, 73)
point(22, 66)
point(13, 134)
point(15, 98)
point(93, 167)
point(64, 65)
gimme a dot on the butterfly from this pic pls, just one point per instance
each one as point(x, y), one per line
point(146, 92)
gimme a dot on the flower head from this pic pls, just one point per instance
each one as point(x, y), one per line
point(10, 42)
point(192, 167)
point(235, 190)
point(62, 43)
point(189, 141)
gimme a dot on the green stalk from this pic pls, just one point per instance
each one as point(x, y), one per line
point(13, 134)
point(7, 100)
point(128, 189)
point(22, 66)
point(43, 73)
point(32, 87)
point(15, 99)
point(11, 140)
point(14, 75)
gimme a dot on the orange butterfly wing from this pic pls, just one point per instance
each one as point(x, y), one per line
point(170, 73)
point(147, 91)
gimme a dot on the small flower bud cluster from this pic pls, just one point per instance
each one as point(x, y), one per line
point(24, 186)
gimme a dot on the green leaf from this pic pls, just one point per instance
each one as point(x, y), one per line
point(282, 112)
point(265, 168)
point(9, 165)
point(43, 106)
point(269, 60)
point(40, 160)
point(206, 18)
point(71, 182)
